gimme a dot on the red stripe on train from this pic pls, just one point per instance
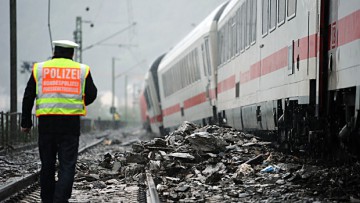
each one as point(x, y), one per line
point(307, 47)
point(226, 84)
point(171, 110)
point(193, 101)
point(279, 59)
point(348, 30)
point(156, 119)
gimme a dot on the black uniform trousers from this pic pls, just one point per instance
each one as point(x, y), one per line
point(65, 146)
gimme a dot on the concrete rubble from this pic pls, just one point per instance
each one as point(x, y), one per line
point(202, 164)
point(212, 163)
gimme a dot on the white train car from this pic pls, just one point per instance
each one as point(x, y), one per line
point(290, 66)
point(186, 77)
point(344, 45)
point(152, 98)
point(268, 53)
point(287, 66)
point(341, 73)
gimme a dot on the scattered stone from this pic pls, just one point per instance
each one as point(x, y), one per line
point(206, 142)
point(181, 155)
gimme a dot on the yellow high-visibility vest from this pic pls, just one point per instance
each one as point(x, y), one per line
point(60, 87)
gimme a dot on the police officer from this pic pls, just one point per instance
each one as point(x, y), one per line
point(62, 88)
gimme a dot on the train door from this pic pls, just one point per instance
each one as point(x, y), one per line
point(209, 74)
point(333, 37)
point(207, 65)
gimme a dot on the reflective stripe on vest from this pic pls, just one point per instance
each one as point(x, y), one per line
point(60, 87)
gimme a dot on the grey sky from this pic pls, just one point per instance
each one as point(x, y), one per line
point(160, 25)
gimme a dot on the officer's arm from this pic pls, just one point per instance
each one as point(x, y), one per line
point(28, 103)
point(90, 90)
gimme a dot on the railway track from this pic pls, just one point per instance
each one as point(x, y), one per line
point(26, 189)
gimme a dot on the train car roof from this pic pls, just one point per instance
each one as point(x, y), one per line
point(155, 64)
point(196, 33)
point(228, 8)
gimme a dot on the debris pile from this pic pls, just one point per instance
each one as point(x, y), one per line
point(211, 163)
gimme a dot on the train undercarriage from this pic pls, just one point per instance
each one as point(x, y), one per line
point(334, 135)
point(300, 129)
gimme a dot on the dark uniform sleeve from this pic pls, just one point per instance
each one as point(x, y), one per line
point(90, 90)
point(28, 103)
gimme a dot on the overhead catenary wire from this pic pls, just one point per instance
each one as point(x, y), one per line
point(109, 37)
point(130, 69)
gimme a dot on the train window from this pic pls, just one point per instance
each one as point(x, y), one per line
point(281, 12)
point(224, 42)
point(225, 50)
point(248, 23)
point(230, 37)
point(233, 36)
point(171, 81)
point(265, 16)
point(164, 84)
point(204, 59)
point(196, 65)
point(188, 65)
point(182, 65)
point(228, 41)
point(182, 73)
point(223, 58)
point(238, 32)
point(272, 24)
point(168, 85)
point(191, 66)
point(207, 51)
point(178, 80)
point(165, 90)
point(220, 47)
point(223, 46)
point(291, 9)
point(243, 27)
point(176, 83)
point(253, 21)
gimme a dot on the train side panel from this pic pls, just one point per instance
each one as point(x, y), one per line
point(154, 111)
point(344, 47)
point(186, 87)
point(273, 60)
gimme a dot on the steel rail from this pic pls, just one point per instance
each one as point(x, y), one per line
point(12, 188)
point(154, 197)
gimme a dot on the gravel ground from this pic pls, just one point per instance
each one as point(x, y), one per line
point(197, 164)
point(101, 178)
point(102, 186)
point(212, 164)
